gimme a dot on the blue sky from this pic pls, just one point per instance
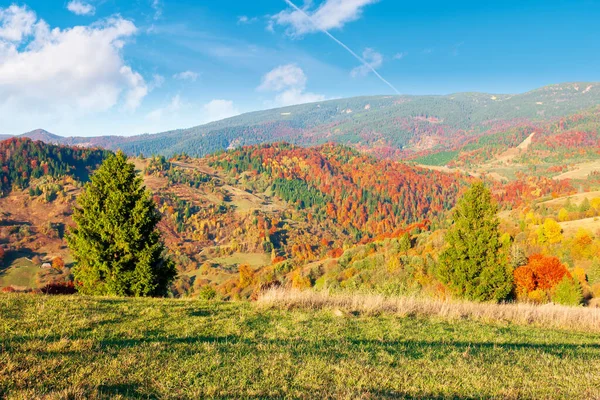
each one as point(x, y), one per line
point(95, 67)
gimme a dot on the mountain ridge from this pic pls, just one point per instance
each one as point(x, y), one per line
point(388, 125)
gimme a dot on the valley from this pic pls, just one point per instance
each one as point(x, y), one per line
point(325, 216)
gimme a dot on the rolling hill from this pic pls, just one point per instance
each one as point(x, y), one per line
point(388, 126)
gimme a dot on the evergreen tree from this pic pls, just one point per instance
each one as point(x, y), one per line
point(116, 244)
point(475, 265)
point(568, 292)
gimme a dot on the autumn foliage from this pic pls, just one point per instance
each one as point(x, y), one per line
point(58, 263)
point(541, 272)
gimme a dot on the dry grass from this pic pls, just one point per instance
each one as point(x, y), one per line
point(548, 316)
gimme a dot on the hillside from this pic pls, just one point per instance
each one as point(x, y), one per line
point(388, 126)
point(97, 348)
point(22, 160)
point(323, 217)
point(222, 212)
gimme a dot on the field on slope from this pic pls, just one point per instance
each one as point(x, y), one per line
point(78, 347)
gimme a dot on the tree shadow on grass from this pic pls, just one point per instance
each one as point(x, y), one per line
point(125, 391)
point(336, 348)
point(344, 349)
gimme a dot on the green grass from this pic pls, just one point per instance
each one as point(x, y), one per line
point(439, 159)
point(20, 272)
point(78, 347)
point(252, 259)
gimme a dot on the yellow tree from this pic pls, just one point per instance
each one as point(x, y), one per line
point(563, 215)
point(552, 231)
point(246, 275)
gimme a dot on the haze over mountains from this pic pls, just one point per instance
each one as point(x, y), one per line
point(385, 125)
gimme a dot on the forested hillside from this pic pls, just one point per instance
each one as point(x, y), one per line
point(387, 126)
point(22, 160)
point(329, 216)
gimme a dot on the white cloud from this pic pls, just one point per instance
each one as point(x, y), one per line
point(16, 23)
point(186, 76)
point(174, 105)
point(64, 72)
point(331, 14)
point(157, 7)
point(290, 82)
point(217, 110)
point(244, 19)
point(400, 56)
point(157, 81)
point(138, 91)
point(80, 8)
point(372, 58)
point(283, 77)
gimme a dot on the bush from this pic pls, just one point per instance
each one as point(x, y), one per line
point(568, 292)
point(537, 296)
point(59, 288)
point(58, 263)
point(207, 293)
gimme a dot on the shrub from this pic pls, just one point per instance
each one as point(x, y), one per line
point(568, 292)
point(246, 275)
point(207, 293)
point(537, 296)
point(55, 288)
point(300, 282)
point(58, 263)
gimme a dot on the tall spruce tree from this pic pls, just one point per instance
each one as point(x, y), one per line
point(475, 265)
point(116, 245)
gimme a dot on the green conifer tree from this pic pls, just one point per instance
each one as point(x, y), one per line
point(116, 244)
point(475, 265)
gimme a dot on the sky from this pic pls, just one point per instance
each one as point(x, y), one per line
point(109, 67)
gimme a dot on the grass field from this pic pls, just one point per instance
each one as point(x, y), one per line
point(252, 259)
point(78, 347)
point(21, 273)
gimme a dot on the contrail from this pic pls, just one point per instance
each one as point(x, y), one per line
point(359, 58)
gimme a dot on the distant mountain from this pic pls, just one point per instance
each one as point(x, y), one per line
point(44, 136)
point(389, 126)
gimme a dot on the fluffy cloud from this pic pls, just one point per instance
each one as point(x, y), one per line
point(216, 110)
point(290, 83)
point(372, 58)
point(283, 77)
point(80, 8)
point(331, 14)
point(400, 56)
point(15, 23)
point(186, 76)
point(68, 72)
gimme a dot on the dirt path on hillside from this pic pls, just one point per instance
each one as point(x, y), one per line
point(511, 153)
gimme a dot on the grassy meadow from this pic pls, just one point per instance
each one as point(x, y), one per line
point(83, 347)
